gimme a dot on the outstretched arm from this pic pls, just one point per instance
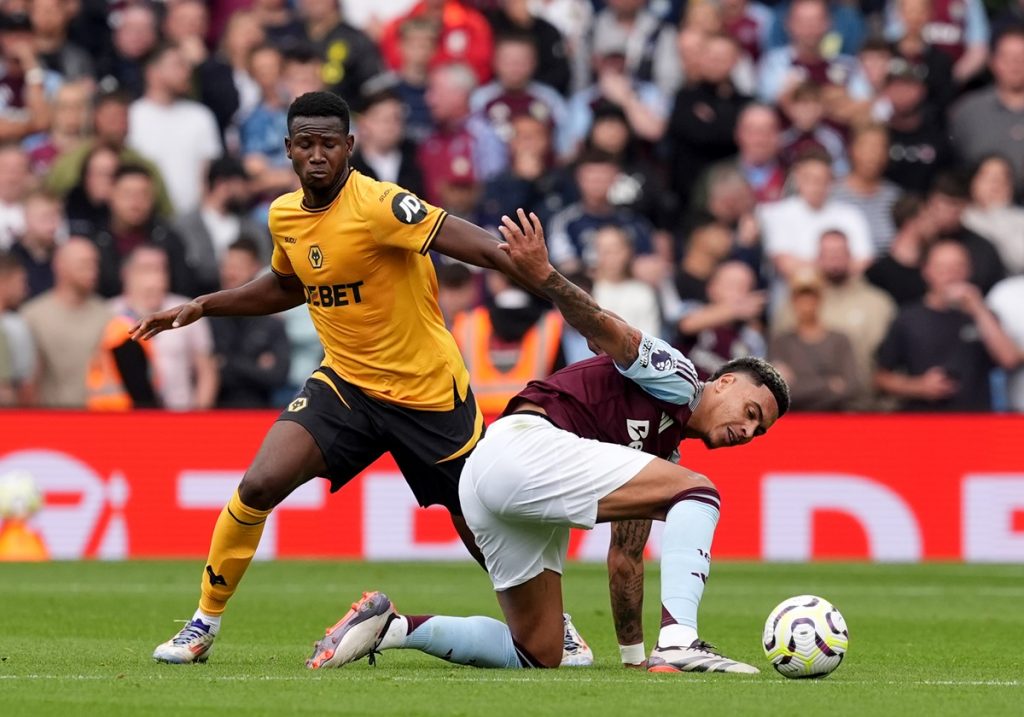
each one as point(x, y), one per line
point(626, 585)
point(269, 293)
point(527, 252)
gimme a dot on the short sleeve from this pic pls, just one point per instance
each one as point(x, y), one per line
point(280, 264)
point(398, 218)
point(662, 371)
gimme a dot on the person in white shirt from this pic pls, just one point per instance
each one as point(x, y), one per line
point(14, 185)
point(791, 228)
point(1006, 301)
point(179, 135)
point(616, 289)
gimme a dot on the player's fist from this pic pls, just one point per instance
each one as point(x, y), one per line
point(170, 319)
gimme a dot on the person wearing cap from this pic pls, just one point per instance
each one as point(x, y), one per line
point(219, 222)
point(918, 144)
point(817, 363)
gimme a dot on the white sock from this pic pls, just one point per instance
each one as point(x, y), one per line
point(395, 635)
point(212, 620)
point(677, 636)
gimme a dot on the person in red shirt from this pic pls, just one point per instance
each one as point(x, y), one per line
point(465, 36)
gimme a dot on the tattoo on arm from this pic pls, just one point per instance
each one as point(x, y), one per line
point(626, 578)
point(614, 336)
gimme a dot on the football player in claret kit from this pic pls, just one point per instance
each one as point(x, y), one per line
point(588, 444)
point(354, 250)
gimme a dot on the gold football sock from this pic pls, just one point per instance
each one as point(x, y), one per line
point(234, 542)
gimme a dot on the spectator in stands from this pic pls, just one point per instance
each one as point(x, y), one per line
point(186, 25)
point(847, 303)
point(263, 132)
point(802, 60)
point(135, 37)
point(513, 92)
point(958, 29)
point(816, 361)
point(644, 104)
point(731, 204)
point(35, 248)
point(898, 272)
point(708, 245)
point(456, 291)
point(66, 325)
point(1006, 301)
point(282, 28)
point(72, 122)
point(110, 119)
point(792, 227)
point(463, 144)
point(219, 223)
point(939, 352)
point(417, 43)
point(988, 120)
point(918, 143)
point(729, 325)
point(531, 180)
point(132, 223)
point(15, 181)
point(56, 52)
point(571, 231)
point(251, 352)
point(186, 373)
point(748, 23)
point(509, 341)
point(242, 36)
point(179, 135)
point(615, 288)
point(574, 20)
point(649, 44)
point(88, 202)
point(14, 332)
point(702, 127)
point(758, 143)
point(465, 37)
point(350, 58)
point(846, 26)
point(992, 213)
point(518, 17)
point(24, 82)
point(383, 151)
point(914, 46)
point(947, 203)
point(865, 187)
point(808, 129)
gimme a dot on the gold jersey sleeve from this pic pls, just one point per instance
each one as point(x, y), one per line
point(371, 290)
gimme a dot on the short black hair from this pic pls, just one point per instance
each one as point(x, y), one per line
point(128, 170)
point(225, 168)
point(951, 183)
point(247, 245)
point(596, 156)
point(907, 207)
point(454, 276)
point(320, 104)
point(761, 373)
point(157, 53)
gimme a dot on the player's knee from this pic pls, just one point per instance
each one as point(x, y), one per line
point(690, 484)
point(261, 491)
point(544, 651)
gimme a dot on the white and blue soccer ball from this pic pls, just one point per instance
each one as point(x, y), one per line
point(20, 497)
point(805, 636)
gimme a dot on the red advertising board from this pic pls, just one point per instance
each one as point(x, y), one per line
point(893, 488)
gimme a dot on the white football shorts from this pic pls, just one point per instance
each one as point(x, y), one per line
point(526, 483)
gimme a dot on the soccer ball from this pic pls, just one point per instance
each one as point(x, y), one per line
point(805, 636)
point(20, 498)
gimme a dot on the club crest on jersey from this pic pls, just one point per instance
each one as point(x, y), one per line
point(408, 209)
point(316, 257)
point(298, 404)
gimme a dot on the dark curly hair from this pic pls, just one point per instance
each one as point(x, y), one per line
point(761, 373)
point(320, 104)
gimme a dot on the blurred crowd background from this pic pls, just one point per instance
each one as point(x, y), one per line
point(831, 184)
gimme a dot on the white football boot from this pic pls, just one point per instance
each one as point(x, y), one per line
point(356, 635)
point(575, 650)
point(698, 657)
point(193, 643)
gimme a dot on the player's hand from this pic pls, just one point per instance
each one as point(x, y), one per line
point(170, 319)
point(526, 248)
point(966, 297)
point(749, 306)
point(934, 384)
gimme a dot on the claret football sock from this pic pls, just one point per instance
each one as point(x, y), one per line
point(235, 539)
point(685, 563)
point(477, 641)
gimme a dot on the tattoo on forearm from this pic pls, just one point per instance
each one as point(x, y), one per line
point(586, 316)
point(626, 578)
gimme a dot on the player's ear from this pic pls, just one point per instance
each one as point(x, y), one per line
point(350, 142)
point(288, 147)
point(724, 381)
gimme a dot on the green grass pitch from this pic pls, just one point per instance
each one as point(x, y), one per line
point(76, 638)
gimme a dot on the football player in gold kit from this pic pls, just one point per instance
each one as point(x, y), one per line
point(354, 250)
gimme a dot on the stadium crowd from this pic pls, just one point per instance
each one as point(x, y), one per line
point(830, 184)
